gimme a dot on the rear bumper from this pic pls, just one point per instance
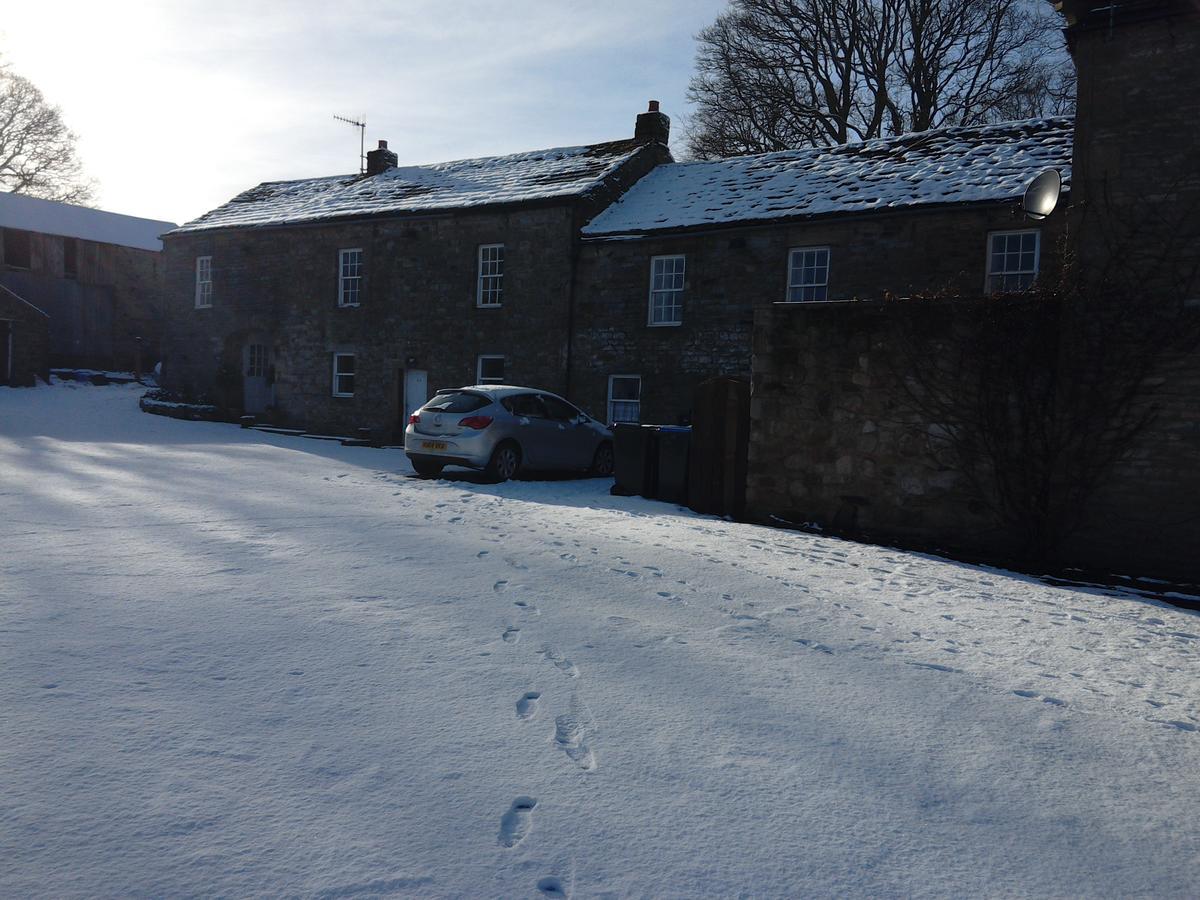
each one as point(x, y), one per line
point(475, 454)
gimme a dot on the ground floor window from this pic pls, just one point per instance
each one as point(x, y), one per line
point(489, 369)
point(624, 398)
point(343, 374)
point(256, 360)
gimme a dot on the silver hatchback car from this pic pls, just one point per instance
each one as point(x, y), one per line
point(503, 429)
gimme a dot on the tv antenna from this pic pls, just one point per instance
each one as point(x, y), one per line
point(362, 140)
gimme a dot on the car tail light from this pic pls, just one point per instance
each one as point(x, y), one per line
point(477, 422)
point(414, 419)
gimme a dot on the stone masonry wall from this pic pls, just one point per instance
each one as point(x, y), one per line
point(418, 310)
point(833, 443)
point(731, 270)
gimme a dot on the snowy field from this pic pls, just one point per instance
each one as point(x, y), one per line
point(237, 664)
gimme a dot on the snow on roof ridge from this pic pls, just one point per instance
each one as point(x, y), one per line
point(955, 164)
point(475, 181)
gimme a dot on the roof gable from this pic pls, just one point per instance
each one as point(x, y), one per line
point(559, 173)
point(951, 165)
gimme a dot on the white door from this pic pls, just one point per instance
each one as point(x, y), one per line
point(256, 389)
point(416, 391)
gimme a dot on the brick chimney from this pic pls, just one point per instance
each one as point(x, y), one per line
point(653, 127)
point(380, 160)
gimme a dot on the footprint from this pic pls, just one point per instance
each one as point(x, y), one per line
point(1034, 695)
point(517, 821)
point(561, 663)
point(528, 704)
point(500, 585)
point(511, 635)
point(526, 606)
point(552, 887)
point(569, 734)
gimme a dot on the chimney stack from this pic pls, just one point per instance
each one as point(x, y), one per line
point(653, 127)
point(380, 160)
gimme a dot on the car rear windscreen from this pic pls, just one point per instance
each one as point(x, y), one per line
point(457, 402)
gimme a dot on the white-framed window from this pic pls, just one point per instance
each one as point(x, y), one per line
point(490, 290)
point(666, 289)
point(343, 374)
point(1013, 258)
point(808, 274)
point(350, 265)
point(624, 398)
point(256, 360)
point(203, 282)
point(489, 369)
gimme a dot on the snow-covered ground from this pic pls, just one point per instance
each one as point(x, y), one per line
point(242, 664)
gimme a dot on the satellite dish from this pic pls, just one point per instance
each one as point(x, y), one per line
point(1041, 194)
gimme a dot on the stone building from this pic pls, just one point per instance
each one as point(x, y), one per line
point(341, 303)
point(97, 276)
point(669, 276)
point(834, 443)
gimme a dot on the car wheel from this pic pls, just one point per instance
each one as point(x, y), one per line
point(602, 462)
point(427, 468)
point(505, 462)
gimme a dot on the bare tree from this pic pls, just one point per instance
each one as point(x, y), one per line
point(779, 74)
point(37, 150)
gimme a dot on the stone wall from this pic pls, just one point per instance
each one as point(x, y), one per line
point(835, 442)
point(28, 334)
point(940, 250)
point(418, 310)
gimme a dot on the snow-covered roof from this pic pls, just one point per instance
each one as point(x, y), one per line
point(68, 220)
point(517, 178)
point(950, 165)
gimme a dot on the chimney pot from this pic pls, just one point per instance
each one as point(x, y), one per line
point(653, 106)
point(383, 145)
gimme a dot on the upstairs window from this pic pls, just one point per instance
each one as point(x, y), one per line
point(203, 282)
point(343, 374)
point(666, 290)
point(808, 274)
point(350, 277)
point(490, 370)
point(1012, 260)
point(18, 249)
point(70, 258)
point(490, 291)
point(624, 398)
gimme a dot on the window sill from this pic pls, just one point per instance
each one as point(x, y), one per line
point(663, 324)
point(349, 305)
point(208, 306)
point(489, 306)
point(344, 396)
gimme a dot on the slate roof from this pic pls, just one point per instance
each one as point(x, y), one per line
point(69, 220)
point(950, 165)
point(517, 178)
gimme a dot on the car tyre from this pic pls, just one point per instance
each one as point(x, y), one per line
point(427, 468)
point(602, 461)
point(505, 462)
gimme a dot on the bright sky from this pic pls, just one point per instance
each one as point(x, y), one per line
point(179, 105)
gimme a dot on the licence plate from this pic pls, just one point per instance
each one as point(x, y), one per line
point(433, 445)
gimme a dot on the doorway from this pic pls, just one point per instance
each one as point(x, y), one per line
point(414, 391)
point(256, 387)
